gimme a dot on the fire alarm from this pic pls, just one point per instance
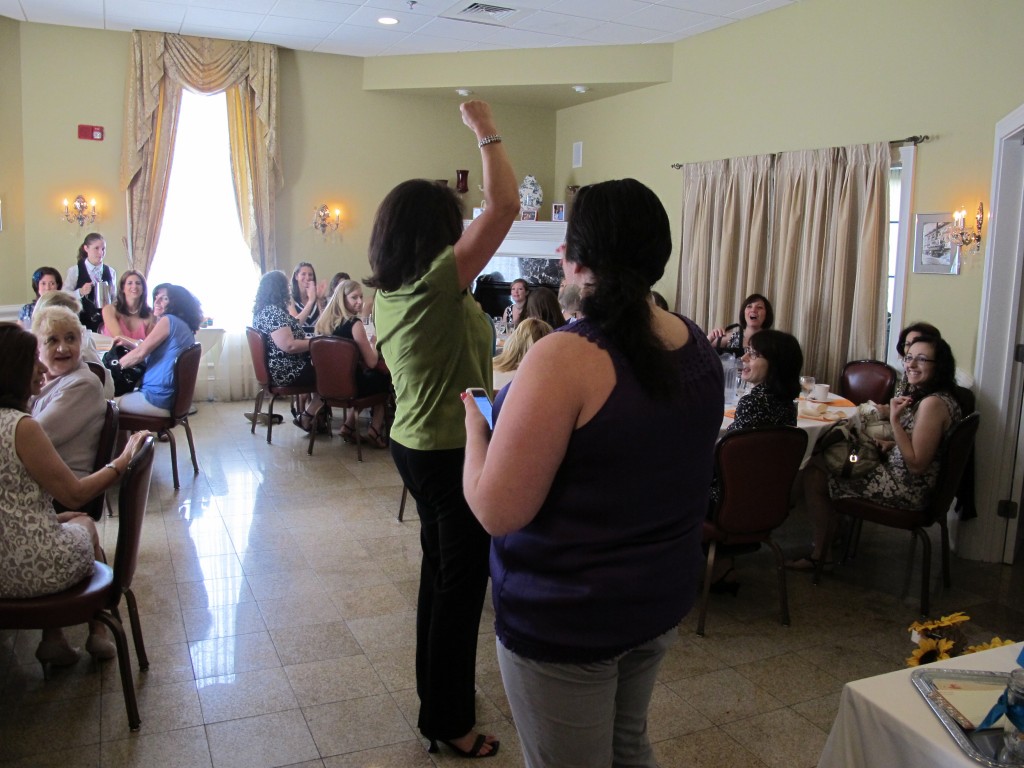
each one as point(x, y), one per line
point(90, 132)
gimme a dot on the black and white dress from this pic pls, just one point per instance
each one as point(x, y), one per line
point(761, 408)
point(285, 369)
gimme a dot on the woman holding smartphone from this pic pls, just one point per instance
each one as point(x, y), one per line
point(437, 342)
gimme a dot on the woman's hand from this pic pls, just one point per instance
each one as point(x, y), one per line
point(476, 423)
point(477, 115)
point(715, 335)
point(321, 291)
point(85, 290)
point(884, 445)
point(130, 343)
point(896, 406)
point(131, 450)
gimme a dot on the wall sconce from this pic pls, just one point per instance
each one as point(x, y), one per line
point(959, 235)
point(81, 212)
point(322, 219)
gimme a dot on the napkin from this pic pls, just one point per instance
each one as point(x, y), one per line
point(817, 411)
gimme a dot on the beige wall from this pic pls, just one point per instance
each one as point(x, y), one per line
point(12, 192)
point(827, 73)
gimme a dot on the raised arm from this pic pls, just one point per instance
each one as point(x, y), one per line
point(930, 424)
point(485, 233)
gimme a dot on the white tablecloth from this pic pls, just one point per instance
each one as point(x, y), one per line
point(813, 427)
point(884, 720)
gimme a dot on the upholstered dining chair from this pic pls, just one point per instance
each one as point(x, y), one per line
point(98, 370)
point(335, 360)
point(952, 461)
point(104, 452)
point(186, 369)
point(97, 597)
point(863, 380)
point(755, 469)
point(258, 353)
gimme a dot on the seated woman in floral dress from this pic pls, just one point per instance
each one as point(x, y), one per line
point(287, 346)
point(771, 363)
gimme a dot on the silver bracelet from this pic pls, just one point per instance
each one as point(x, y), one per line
point(494, 138)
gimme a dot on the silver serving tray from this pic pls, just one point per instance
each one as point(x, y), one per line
point(981, 746)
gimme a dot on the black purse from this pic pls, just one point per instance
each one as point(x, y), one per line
point(125, 379)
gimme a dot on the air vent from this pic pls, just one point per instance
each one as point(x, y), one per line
point(484, 13)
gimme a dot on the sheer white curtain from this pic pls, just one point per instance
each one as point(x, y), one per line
point(807, 229)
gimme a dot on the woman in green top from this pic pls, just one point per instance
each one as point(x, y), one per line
point(437, 342)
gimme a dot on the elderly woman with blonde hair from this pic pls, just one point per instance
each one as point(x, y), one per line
point(89, 352)
point(70, 407)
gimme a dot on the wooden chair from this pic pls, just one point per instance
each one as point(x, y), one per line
point(99, 370)
point(186, 369)
point(335, 361)
point(953, 459)
point(258, 352)
point(97, 597)
point(104, 452)
point(755, 469)
point(863, 380)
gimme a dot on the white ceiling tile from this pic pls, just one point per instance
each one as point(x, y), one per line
point(313, 9)
point(764, 7)
point(520, 38)
point(12, 10)
point(665, 19)
point(367, 17)
point(457, 30)
point(237, 6)
point(557, 24)
point(153, 13)
point(199, 30)
point(295, 42)
point(712, 7)
point(620, 34)
point(297, 27)
point(413, 44)
point(87, 13)
point(605, 10)
point(207, 17)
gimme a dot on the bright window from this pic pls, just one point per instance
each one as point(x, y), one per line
point(201, 245)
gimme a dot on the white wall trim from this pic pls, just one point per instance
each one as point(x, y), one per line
point(904, 233)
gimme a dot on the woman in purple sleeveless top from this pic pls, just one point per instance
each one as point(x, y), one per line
point(597, 522)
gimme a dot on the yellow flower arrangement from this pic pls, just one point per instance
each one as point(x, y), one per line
point(941, 639)
point(930, 649)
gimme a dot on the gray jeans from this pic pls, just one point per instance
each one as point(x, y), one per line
point(586, 715)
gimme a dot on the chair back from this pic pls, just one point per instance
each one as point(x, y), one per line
point(131, 509)
point(186, 370)
point(99, 370)
point(863, 380)
point(258, 353)
point(952, 464)
point(335, 360)
point(755, 470)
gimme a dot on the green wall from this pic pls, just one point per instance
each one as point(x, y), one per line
point(12, 175)
point(828, 73)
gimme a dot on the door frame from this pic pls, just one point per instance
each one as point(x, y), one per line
point(999, 449)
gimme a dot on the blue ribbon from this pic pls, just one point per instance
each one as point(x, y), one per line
point(1014, 713)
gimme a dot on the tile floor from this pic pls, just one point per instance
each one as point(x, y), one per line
point(277, 595)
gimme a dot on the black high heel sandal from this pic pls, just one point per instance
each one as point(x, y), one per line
point(375, 438)
point(473, 752)
point(722, 587)
point(348, 434)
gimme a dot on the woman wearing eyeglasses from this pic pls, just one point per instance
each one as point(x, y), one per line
point(771, 363)
point(920, 421)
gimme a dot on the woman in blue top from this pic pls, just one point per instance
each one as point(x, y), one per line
point(173, 333)
point(597, 528)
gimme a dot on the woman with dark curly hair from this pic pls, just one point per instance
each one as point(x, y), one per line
point(757, 314)
point(921, 420)
point(173, 333)
point(44, 280)
point(130, 316)
point(595, 552)
point(287, 346)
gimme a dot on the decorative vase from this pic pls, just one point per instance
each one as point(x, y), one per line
point(530, 193)
point(462, 182)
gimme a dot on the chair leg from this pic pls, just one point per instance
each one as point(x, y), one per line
point(191, 444)
point(926, 568)
point(780, 568)
point(401, 505)
point(944, 531)
point(133, 617)
point(270, 418)
point(852, 539)
point(706, 588)
point(257, 406)
point(124, 664)
point(174, 455)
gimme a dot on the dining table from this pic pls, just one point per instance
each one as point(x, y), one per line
point(812, 417)
point(885, 720)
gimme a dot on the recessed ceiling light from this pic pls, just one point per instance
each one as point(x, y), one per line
point(580, 88)
point(463, 91)
point(388, 20)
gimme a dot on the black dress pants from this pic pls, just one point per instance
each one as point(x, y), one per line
point(453, 582)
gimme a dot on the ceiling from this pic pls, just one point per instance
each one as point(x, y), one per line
point(350, 27)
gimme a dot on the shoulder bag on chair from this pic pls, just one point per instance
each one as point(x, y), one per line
point(846, 452)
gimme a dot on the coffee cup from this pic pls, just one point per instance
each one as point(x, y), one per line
point(819, 392)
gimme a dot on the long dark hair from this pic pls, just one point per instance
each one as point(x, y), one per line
point(272, 291)
point(18, 350)
point(415, 222)
point(769, 313)
point(785, 360)
point(183, 305)
point(121, 303)
point(943, 378)
point(923, 329)
point(542, 303)
point(297, 296)
point(42, 272)
point(619, 231)
point(92, 237)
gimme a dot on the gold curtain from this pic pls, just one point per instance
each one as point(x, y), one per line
point(807, 229)
point(162, 64)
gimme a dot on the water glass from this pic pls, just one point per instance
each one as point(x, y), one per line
point(807, 384)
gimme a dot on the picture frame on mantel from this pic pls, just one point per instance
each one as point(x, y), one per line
point(933, 253)
point(558, 211)
point(529, 214)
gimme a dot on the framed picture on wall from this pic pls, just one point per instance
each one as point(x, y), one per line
point(933, 253)
point(529, 214)
point(558, 211)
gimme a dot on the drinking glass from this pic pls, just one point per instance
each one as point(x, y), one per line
point(806, 384)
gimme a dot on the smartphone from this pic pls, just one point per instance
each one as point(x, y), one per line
point(483, 402)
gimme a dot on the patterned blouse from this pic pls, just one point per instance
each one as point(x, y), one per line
point(284, 367)
point(761, 408)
